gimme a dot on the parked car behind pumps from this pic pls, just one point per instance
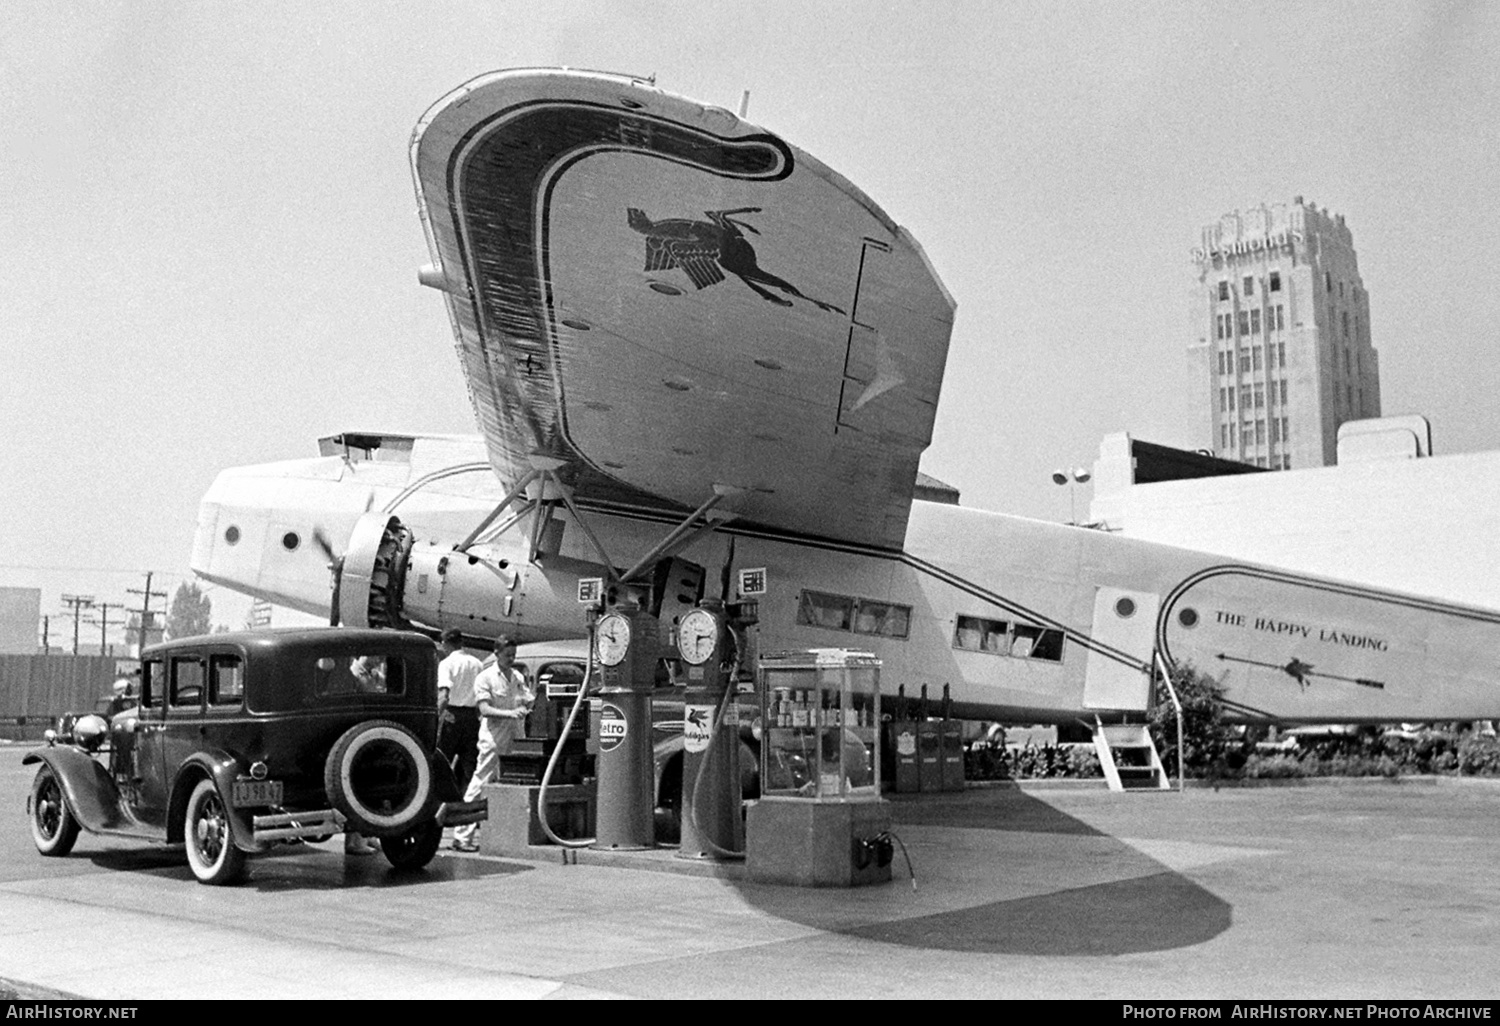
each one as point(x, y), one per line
point(246, 740)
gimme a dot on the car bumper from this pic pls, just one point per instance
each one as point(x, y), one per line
point(290, 826)
point(461, 813)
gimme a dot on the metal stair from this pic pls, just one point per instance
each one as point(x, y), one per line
point(1128, 757)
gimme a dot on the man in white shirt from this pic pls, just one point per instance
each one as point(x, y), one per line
point(458, 719)
point(503, 699)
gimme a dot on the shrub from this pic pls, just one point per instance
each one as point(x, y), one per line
point(1083, 761)
point(987, 760)
point(1206, 739)
point(1274, 767)
point(1478, 755)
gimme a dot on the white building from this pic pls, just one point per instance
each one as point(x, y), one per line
point(1383, 517)
point(20, 621)
point(1280, 353)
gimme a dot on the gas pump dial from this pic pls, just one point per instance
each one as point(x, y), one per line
point(697, 636)
point(612, 639)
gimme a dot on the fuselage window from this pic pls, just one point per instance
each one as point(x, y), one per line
point(999, 637)
point(857, 615)
point(978, 634)
point(881, 618)
point(818, 609)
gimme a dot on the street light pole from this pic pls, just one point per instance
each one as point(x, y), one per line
point(1073, 478)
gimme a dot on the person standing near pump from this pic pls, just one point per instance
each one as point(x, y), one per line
point(503, 698)
point(458, 719)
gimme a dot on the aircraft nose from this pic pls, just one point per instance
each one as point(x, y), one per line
point(258, 533)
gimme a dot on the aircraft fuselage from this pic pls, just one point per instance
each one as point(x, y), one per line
point(1021, 620)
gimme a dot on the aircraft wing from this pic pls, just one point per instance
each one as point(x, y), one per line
point(669, 298)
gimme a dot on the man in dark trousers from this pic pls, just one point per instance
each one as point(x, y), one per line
point(458, 719)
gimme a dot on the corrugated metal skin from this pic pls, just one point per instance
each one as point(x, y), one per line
point(614, 260)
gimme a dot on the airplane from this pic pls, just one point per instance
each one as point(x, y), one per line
point(703, 362)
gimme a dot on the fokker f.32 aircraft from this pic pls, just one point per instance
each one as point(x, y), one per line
point(693, 351)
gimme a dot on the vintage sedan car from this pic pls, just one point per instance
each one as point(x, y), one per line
point(244, 740)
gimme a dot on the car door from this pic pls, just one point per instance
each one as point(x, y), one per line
point(142, 776)
point(182, 728)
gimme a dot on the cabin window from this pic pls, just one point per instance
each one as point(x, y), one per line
point(882, 618)
point(227, 680)
point(978, 634)
point(1000, 637)
point(850, 613)
point(818, 609)
point(360, 448)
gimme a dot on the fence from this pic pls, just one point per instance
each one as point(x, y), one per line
point(36, 689)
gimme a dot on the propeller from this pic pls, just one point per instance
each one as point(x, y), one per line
point(335, 562)
point(335, 567)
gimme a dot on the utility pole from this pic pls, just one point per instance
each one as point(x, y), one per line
point(103, 622)
point(78, 603)
point(46, 639)
point(146, 595)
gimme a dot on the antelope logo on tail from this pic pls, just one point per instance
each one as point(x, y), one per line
point(706, 249)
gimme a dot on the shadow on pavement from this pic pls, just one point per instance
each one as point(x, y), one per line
point(1142, 906)
point(307, 868)
point(1149, 913)
point(990, 808)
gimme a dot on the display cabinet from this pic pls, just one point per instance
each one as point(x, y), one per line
point(820, 715)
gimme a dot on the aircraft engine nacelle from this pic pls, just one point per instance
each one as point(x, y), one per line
point(390, 578)
point(370, 577)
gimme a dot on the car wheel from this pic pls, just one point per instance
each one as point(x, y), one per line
point(414, 849)
point(378, 776)
point(53, 827)
point(210, 846)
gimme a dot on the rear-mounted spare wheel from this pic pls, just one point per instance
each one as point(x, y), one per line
point(377, 775)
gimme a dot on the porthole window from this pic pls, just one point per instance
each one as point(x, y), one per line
point(231, 534)
point(290, 541)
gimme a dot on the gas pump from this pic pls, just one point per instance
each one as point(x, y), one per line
point(626, 649)
point(711, 824)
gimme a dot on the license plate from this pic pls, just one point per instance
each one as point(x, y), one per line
point(246, 793)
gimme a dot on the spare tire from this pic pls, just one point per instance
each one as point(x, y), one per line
point(378, 776)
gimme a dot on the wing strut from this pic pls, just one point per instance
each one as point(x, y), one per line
point(681, 531)
point(544, 474)
point(510, 496)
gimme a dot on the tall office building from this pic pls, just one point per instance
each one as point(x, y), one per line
point(1281, 352)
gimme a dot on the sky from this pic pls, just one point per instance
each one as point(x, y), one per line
point(209, 240)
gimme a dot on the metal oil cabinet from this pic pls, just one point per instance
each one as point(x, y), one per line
point(820, 820)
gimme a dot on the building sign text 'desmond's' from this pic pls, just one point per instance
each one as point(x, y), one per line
point(1251, 245)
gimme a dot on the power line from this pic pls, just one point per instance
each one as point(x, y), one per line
point(146, 595)
point(103, 622)
point(78, 603)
